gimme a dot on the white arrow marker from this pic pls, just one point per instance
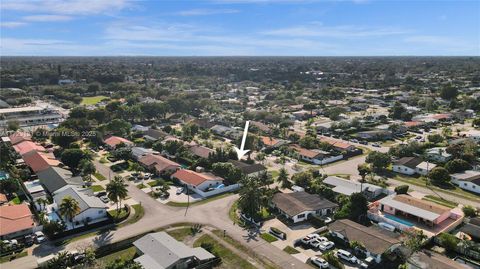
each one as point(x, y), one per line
point(240, 151)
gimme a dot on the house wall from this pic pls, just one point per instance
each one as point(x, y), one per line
point(469, 186)
point(208, 184)
point(442, 217)
point(304, 215)
point(17, 234)
point(388, 209)
point(403, 170)
point(215, 191)
point(95, 214)
point(422, 172)
point(321, 161)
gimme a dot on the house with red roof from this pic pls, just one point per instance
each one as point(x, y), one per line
point(113, 141)
point(338, 144)
point(315, 156)
point(160, 165)
point(15, 221)
point(18, 137)
point(39, 161)
point(197, 182)
point(27, 146)
point(270, 142)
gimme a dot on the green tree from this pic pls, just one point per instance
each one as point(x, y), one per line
point(457, 166)
point(448, 92)
point(64, 136)
point(363, 171)
point(448, 241)
point(435, 138)
point(118, 127)
point(250, 200)
point(469, 211)
point(358, 207)
point(13, 125)
point(87, 169)
point(303, 179)
point(72, 158)
point(282, 179)
point(402, 189)
point(378, 160)
point(69, 208)
point(439, 176)
point(117, 191)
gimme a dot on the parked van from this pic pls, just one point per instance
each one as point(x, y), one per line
point(347, 256)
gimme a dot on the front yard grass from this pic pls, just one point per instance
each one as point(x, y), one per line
point(291, 250)
point(17, 200)
point(7, 258)
point(268, 237)
point(184, 204)
point(181, 233)
point(117, 214)
point(124, 255)
point(137, 215)
point(99, 176)
point(97, 188)
point(141, 186)
point(229, 259)
point(93, 100)
point(440, 201)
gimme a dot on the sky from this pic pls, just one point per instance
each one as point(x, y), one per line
point(239, 28)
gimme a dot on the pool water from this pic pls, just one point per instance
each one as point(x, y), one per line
point(3, 175)
point(53, 216)
point(399, 220)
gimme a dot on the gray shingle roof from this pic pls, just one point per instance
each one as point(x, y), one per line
point(54, 178)
point(162, 251)
point(297, 202)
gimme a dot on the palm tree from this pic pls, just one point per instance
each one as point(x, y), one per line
point(69, 207)
point(117, 191)
point(42, 203)
point(282, 179)
point(250, 201)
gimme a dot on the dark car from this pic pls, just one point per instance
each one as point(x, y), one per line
point(28, 240)
point(102, 193)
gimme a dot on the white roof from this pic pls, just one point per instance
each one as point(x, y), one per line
point(422, 213)
point(348, 187)
point(20, 109)
point(426, 165)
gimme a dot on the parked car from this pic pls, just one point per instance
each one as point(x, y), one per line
point(179, 190)
point(28, 240)
point(102, 193)
point(317, 241)
point(307, 239)
point(375, 145)
point(363, 142)
point(104, 199)
point(346, 256)
point(147, 175)
point(39, 237)
point(323, 246)
point(277, 233)
point(319, 262)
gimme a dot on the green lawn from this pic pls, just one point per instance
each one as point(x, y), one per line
point(137, 215)
point(229, 259)
point(440, 201)
point(291, 250)
point(92, 100)
point(13, 256)
point(141, 186)
point(268, 237)
point(117, 214)
point(99, 176)
point(181, 233)
point(152, 183)
point(125, 255)
point(97, 188)
point(17, 200)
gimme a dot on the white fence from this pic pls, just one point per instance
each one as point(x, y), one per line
point(217, 191)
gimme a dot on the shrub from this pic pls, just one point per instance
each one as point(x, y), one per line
point(402, 189)
point(332, 260)
point(469, 211)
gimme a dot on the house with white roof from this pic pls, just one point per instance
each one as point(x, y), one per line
point(92, 209)
point(438, 154)
point(348, 187)
point(468, 180)
point(160, 250)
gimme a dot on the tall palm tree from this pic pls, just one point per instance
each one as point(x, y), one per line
point(282, 179)
point(250, 201)
point(117, 190)
point(42, 203)
point(87, 169)
point(69, 207)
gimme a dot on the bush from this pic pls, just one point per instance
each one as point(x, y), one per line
point(402, 189)
point(332, 260)
point(278, 233)
point(469, 211)
point(317, 222)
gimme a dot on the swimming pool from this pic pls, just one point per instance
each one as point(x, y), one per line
point(399, 220)
point(53, 216)
point(3, 175)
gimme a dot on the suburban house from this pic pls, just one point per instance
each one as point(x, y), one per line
point(315, 156)
point(160, 250)
point(15, 221)
point(472, 134)
point(375, 135)
point(39, 161)
point(468, 180)
point(55, 178)
point(35, 189)
point(92, 209)
point(348, 187)
point(299, 206)
point(272, 143)
point(472, 228)
point(438, 154)
point(27, 146)
point(421, 211)
point(154, 134)
point(412, 165)
point(250, 170)
point(375, 240)
point(339, 145)
point(199, 150)
point(113, 141)
point(159, 164)
point(198, 182)
point(19, 137)
point(226, 131)
point(139, 152)
point(426, 259)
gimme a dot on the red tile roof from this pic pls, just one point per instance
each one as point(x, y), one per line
point(268, 141)
point(194, 178)
point(18, 137)
point(305, 152)
point(26, 146)
point(412, 123)
point(15, 218)
point(3, 198)
point(113, 141)
point(39, 161)
point(336, 143)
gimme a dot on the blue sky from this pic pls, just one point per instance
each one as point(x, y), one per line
point(239, 27)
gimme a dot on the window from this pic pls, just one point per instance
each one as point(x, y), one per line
point(300, 216)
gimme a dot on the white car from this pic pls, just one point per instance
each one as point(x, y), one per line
point(39, 237)
point(316, 241)
point(319, 262)
point(309, 238)
point(346, 256)
point(179, 190)
point(147, 175)
point(323, 246)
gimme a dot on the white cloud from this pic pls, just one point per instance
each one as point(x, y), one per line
point(12, 24)
point(47, 18)
point(73, 7)
point(345, 31)
point(205, 12)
